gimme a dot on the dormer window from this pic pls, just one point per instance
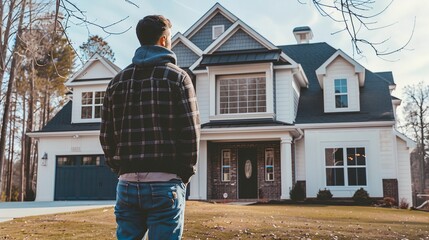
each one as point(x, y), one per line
point(341, 95)
point(217, 30)
point(92, 103)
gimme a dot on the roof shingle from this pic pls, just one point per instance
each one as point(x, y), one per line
point(375, 98)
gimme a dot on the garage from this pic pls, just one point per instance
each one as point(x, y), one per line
point(84, 177)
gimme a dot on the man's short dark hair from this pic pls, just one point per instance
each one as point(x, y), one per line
point(150, 29)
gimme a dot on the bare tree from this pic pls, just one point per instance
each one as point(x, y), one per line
point(47, 63)
point(74, 15)
point(7, 101)
point(96, 44)
point(37, 65)
point(416, 112)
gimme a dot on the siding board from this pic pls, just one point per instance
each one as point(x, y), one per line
point(284, 96)
point(338, 69)
point(185, 56)
point(203, 38)
point(203, 97)
point(240, 41)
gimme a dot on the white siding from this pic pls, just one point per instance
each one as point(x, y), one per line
point(198, 184)
point(339, 69)
point(296, 94)
point(203, 96)
point(284, 96)
point(404, 172)
point(77, 102)
point(318, 140)
point(387, 155)
point(55, 146)
point(300, 160)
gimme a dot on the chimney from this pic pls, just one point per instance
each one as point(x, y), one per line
point(303, 34)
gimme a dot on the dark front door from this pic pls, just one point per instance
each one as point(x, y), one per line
point(247, 173)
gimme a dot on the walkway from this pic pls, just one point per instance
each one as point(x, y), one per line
point(11, 210)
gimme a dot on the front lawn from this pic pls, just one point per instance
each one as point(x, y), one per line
point(221, 221)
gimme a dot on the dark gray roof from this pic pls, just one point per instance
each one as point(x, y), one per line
point(375, 98)
point(240, 57)
point(61, 122)
point(387, 76)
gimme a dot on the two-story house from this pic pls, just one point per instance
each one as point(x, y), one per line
point(272, 117)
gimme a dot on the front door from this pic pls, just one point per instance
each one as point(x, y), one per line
point(247, 173)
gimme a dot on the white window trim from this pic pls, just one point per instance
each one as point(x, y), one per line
point(342, 94)
point(266, 68)
point(345, 166)
point(213, 31)
point(353, 93)
point(241, 76)
point(222, 166)
point(92, 105)
point(266, 174)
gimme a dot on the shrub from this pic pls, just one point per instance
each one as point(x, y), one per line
point(297, 193)
point(403, 204)
point(361, 197)
point(389, 202)
point(324, 195)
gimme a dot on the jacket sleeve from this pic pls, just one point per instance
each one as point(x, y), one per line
point(188, 130)
point(107, 138)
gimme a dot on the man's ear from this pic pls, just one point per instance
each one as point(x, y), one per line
point(162, 41)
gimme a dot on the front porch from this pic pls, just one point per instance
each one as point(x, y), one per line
point(244, 167)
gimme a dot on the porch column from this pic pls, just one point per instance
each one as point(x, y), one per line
point(198, 187)
point(286, 166)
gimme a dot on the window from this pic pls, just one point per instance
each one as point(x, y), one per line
point(65, 161)
point(351, 172)
point(217, 30)
point(79, 160)
point(91, 160)
point(226, 165)
point(341, 98)
point(241, 94)
point(92, 103)
point(269, 164)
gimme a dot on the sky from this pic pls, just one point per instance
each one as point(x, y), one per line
point(275, 20)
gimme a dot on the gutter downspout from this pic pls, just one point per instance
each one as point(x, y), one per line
point(301, 135)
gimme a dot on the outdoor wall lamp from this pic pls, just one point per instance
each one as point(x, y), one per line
point(44, 159)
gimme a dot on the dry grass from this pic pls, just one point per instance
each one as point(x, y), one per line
point(220, 221)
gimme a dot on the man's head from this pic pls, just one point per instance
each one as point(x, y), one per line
point(154, 30)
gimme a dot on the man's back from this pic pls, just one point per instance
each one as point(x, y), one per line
point(150, 134)
point(151, 118)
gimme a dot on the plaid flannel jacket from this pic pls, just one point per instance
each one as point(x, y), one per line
point(150, 121)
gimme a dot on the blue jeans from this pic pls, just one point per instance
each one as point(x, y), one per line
point(154, 207)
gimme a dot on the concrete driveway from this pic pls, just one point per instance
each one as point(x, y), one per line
point(11, 210)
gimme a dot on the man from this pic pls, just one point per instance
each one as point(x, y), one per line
point(150, 134)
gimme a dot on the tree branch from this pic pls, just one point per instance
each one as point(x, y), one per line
point(356, 15)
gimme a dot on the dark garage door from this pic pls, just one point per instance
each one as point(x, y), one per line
point(84, 178)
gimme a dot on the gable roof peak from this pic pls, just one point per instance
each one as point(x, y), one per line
point(359, 69)
point(217, 8)
point(112, 69)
